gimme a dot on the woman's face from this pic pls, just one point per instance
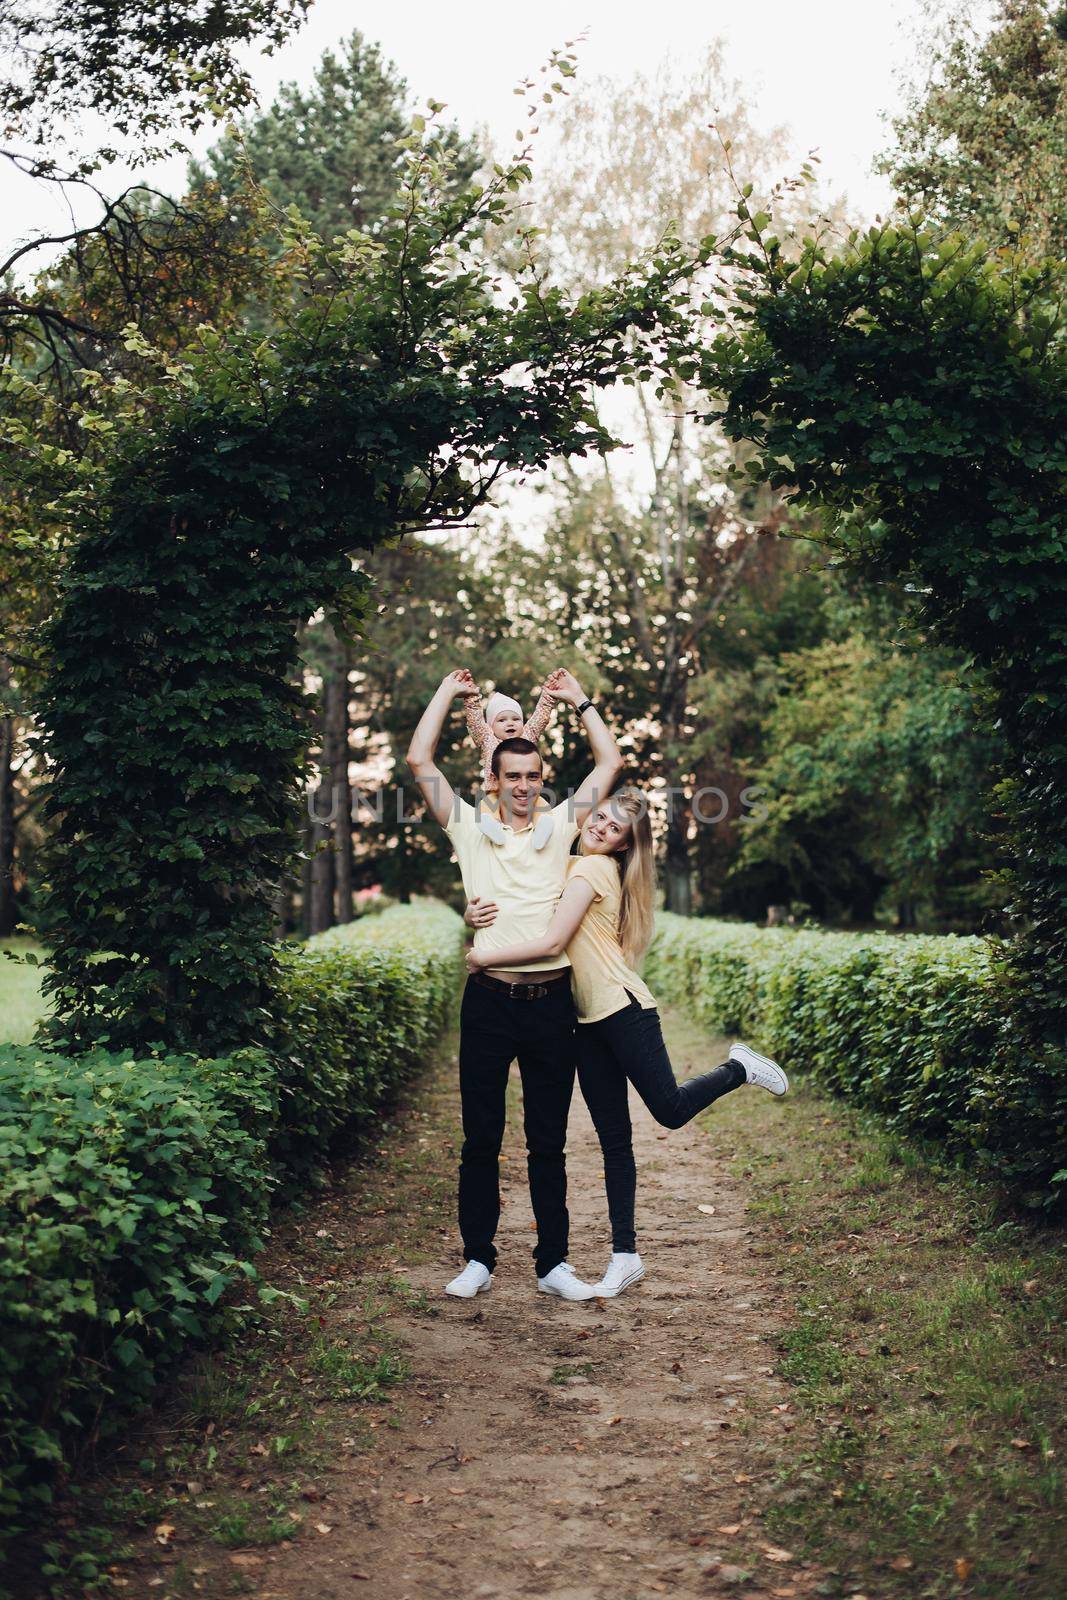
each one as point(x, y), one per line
point(606, 830)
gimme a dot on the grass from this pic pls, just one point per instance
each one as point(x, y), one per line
point(348, 1374)
point(247, 1524)
point(560, 1374)
point(925, 1342)
point(21, 1006)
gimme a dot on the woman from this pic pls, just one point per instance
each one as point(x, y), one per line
point(604, 922)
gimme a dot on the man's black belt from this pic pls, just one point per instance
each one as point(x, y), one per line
point(520, 991)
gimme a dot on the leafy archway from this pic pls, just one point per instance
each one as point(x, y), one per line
point(403, 381)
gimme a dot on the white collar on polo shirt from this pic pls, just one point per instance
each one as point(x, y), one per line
point(496, 831)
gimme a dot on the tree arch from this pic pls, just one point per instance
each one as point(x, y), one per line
point(403, 381)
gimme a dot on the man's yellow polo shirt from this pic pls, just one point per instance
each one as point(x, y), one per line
point(525, 882)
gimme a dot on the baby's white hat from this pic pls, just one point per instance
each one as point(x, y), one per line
point(498, 703)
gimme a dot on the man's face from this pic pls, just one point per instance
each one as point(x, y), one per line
point(519, 784)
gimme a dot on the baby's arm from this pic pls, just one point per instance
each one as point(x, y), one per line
point(537, 722)
point(477, 726)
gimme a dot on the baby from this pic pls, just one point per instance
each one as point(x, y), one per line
point(502, 719)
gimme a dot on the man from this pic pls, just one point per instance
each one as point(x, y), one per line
point(527, 1013)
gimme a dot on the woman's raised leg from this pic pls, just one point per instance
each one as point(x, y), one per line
point(634, 1038)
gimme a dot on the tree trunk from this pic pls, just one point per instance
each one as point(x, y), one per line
point(320, 909)
point(305, 882)
point(679, 872)
point(335, 712)
point(8, 909)
point(678, 875)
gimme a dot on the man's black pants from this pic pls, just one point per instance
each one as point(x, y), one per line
point(494, 1030)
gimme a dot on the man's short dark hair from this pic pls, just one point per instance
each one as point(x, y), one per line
point(512, 747)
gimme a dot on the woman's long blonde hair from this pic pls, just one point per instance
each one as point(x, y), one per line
point(637, 869)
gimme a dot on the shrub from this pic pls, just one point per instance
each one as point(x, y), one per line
point(130, 1192)
point(133, 1191)
point(912, 1026)
point(357, 1006)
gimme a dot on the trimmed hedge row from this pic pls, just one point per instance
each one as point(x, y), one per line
point(911, 1025)
point(134, 1192)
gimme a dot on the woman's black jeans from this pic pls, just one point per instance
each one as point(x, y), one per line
point(629, 1045)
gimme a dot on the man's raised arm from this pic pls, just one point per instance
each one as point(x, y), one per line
point(606, 753)
point(433, 785)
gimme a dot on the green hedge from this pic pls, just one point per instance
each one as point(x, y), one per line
point(133, 1192)
point(359, 1005)
point(913, 1026)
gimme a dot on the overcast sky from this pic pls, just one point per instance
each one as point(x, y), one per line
point(829, 69)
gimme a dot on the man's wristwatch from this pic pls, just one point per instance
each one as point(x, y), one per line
point(583, 707)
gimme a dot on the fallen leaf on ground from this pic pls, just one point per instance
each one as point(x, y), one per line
point(164, 1533)
point(901, 1563)
point(1030, 1285)
point(964, 1568)
point(742, 1477)
point(323, 1527)
point(1021, 1444)
point(728, 1527)
point(785, 1593)
point(709, 1211)
point(614, 1422)
point(245, 1558)
point(457, 1491)
point(774, 1554)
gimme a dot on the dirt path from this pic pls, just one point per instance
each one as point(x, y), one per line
point(611, 1448)
point(852, 1347)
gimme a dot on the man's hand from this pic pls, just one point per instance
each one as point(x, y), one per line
point(563, 685)
point(480, 913)
point(433, 785)
point(460, 682)
point(475, 961)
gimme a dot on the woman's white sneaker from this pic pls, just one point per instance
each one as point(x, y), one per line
point(564, 1281)
point(760, 1069)
point(624, 1268)
point(474, 1279)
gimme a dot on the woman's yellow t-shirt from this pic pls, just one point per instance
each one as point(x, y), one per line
point(599, 974)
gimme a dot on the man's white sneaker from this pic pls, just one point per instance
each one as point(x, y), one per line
point(624, 1268)
point(760, 1069)
point(474, 1279)
point(563, 1280)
